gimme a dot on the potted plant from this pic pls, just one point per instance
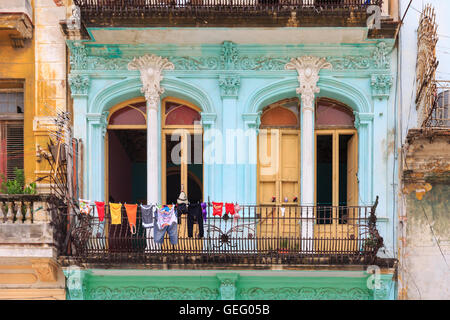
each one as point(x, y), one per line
point(17, 186)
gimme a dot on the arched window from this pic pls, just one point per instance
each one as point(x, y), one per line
point(331, 113)
point(131, 114)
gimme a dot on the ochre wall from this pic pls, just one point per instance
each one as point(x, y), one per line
point(18, 63)
point(50, 62)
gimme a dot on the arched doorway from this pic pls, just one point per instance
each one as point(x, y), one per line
point(278, 186)
point(126, 154)
point(126, 170)
point(336, 169)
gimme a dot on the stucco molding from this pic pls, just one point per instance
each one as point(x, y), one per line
point(308, 68)
point(381, 85)
point(151, 68)
point(99, 120)
point(46, 269)
point(227, 286)
point(230, 58)
point(252, 120)
point(330, 87)
point(78, 55)
point(208, 119)
point(304, 293)
point(79, 84)
point(151, 293)
point(76, 283)
point(229, 86)
point(128, 88)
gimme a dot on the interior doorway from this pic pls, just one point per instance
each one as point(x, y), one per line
point(127, 166)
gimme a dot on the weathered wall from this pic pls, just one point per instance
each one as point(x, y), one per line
point(18, 64)
point(428, 244)
point(50, 62)
point(424, 272)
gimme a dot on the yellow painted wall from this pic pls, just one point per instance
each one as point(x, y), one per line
point(50, 64)
point(42, 64)
point(18, 63)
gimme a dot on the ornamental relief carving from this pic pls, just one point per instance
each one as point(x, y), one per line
point(305, 293)
point(152, 293)
point(79, 84)
point(230, 59)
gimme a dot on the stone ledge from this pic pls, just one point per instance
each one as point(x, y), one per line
point(20, 234)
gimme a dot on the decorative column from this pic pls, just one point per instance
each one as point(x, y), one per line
point(79, 83)
point(97, 125)
point(229, 90)
point(308, 68)
point(208, 123)
point(251, 124)
point(384, 144)
point(151, 68)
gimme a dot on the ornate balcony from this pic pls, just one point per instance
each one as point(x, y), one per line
point(16, 19)
point(262, 235)
point(229, 13)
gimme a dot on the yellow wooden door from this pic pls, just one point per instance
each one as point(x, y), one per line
point(278, 181)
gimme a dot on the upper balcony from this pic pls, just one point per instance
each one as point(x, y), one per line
point(16, 21)
point(264, 236)
point(235, 13)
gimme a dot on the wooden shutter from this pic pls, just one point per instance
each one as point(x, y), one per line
point(14, 148)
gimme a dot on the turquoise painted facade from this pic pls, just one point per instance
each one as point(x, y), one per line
point(236, 285)
point(231, 84)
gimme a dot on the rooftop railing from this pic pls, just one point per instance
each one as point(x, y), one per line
point(136, 8)
point(256, 235)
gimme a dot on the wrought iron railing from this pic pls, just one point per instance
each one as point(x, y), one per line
point(438, 111)
point(139, 8)
point(260, 235)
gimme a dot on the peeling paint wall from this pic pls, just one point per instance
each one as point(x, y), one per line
point(428, 244)
point(424, 271)
point(50, 61)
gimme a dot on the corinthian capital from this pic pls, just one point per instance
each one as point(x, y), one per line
point(151, 68)
point(308, 68)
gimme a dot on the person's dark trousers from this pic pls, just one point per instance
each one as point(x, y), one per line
point(195, 215)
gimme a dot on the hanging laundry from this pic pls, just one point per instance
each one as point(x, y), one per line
point(229, 208)
point(182, 208)
point(282, 211)
point(217, 208)
point(85, 206)
point(204, 210)
point(100, 210)
point(116, 213)
point(148, 214)
point(166, 222)
point(166, 216)
point(131, 210)
point(237, 208)
point(195, 215)
point(182, 198)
